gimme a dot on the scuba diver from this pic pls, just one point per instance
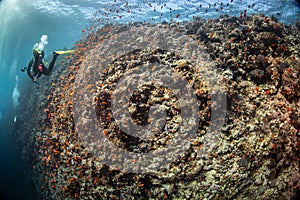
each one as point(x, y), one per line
point(36, 66)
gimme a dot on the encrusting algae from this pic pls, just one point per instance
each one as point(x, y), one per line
point(257, 153)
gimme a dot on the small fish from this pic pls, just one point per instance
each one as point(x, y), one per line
point(245, 13)
point(177, 15)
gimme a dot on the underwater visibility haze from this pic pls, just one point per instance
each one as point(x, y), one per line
point(158, 99)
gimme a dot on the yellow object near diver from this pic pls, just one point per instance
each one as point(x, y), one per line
point(37, 51)
point(64, 52)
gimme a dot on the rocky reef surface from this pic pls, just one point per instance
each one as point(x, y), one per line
point(255, 156)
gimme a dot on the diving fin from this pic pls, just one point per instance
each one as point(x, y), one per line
point(64, 52)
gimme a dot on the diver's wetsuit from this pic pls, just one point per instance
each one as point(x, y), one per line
point(36, 66)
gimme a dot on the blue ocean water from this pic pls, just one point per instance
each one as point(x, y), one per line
point(22, 23)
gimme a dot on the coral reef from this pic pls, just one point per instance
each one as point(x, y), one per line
point(256, 155)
